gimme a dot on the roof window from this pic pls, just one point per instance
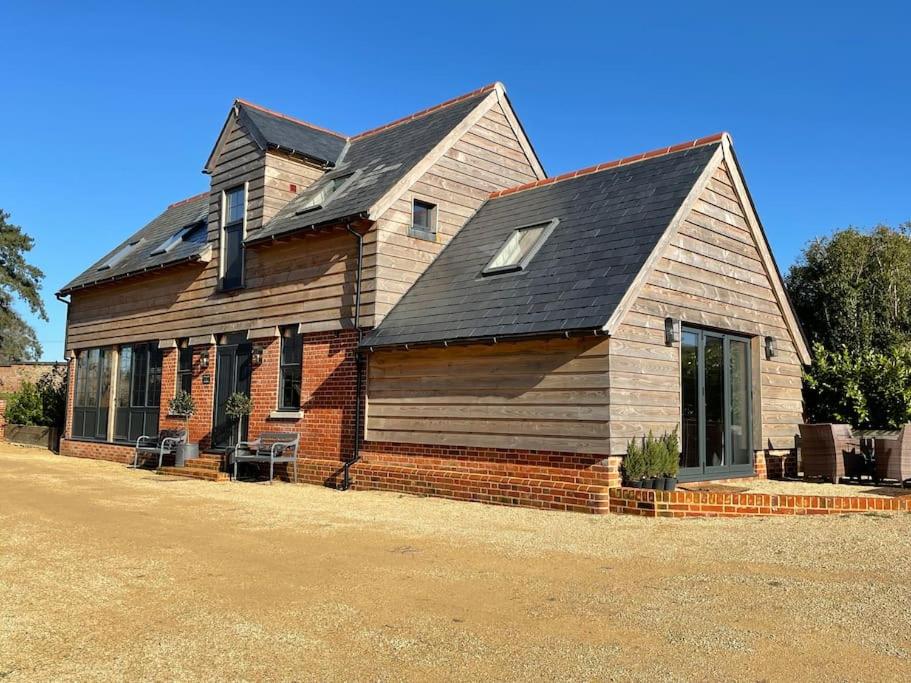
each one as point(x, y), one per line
point(186, 233)
point(520, 248)
point(323, 195)
point(120, 254)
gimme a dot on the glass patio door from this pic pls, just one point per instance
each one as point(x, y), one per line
point(715, 387)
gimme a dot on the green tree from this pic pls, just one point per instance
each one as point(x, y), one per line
point(24, 406)
point(18, 279)
point(853, 289)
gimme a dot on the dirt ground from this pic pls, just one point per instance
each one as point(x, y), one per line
point(107, 573)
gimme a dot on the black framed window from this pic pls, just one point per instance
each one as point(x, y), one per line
point(92, 392)
point(423, 220)
point(185, 369)
point(292, 350)
point(138, 391)
point(232, 238)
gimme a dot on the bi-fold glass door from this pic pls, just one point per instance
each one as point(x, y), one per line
point(716, 394)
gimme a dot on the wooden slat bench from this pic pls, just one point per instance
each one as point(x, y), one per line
point(270, 447)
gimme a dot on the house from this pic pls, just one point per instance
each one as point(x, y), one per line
point(434, 315)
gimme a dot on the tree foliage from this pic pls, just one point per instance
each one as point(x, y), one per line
point(18, 279)
point(853, 289)
point(852, 293)
point(41, 403)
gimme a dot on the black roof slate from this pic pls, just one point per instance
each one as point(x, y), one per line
point(274, 130)
point(175, 217)
point(610, 221)
point(381, 159)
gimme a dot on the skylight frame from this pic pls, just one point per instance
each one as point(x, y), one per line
point(522, 263)
point(121, 254)
point(175, 239)
point(324, 195)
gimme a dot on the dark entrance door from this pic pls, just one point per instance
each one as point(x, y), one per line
point(232, 374)
point(716, 395)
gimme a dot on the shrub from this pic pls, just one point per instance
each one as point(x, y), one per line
point(634, 462)
point(655, 457)
point(24, 406)
point(52, 388)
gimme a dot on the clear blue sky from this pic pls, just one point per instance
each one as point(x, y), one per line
point(109, 111)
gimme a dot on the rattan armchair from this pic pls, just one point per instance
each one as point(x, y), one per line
point(830, 451)
point(893, 457)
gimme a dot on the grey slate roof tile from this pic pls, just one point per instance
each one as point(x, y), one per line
point(175, 217)
point(275, 130)
point(609, 223)
point(382, 159)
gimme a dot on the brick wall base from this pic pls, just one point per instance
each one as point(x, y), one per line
point(94, 450)
point(695, 504)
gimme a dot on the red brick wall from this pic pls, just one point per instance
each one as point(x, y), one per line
point(2, 419)
point(12, 376)
point(203, 395)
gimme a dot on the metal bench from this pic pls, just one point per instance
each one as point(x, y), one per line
point(165, 443)
point(270, 447)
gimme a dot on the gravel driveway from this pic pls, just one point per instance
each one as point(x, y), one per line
point(107, 573)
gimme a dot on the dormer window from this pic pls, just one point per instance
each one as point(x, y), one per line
point(423, 220)
point(120, 254)
point(520, 248)
point(232, 238)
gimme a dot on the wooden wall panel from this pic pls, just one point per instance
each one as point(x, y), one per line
point(711, 275)
point(487, 157)
point(282, 171)
point(535, 395)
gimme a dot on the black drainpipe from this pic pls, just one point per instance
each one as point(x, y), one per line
point(358, 361)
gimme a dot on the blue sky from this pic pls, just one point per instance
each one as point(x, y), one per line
point(110, 110)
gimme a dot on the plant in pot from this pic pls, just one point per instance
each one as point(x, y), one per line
point(652, 451)
point(183, 406)
point(237, 407)
point(633, 465)
point(671, 460)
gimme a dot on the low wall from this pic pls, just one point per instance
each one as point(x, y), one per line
point(2, 419)
point(30, 435)
point(650, 503)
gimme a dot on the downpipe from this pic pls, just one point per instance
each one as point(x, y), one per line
point(358, 363)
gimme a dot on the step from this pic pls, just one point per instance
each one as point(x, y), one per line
point(204, 463)
point(194, 473)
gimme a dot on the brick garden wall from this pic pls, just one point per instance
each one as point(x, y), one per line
point(2, 419)
point(650, 503)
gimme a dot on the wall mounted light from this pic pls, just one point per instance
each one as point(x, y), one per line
point(671, 331)
point(203, 359)
point(257, 355)
point(770, 349)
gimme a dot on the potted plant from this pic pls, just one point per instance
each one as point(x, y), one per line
point(633, 465)
point(652, 451)
point(183, 406)
point(671, 446)
point(237, 407)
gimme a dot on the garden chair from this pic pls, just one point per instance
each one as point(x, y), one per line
point(270, 447)
point(893, 457)
point(165, 443)
point(830, 451)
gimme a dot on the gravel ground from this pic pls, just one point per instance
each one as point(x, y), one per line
point(107, 573)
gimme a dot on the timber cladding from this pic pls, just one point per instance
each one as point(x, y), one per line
point(710, 274)
point(544, 395)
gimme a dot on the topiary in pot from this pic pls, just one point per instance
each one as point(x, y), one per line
point(633, 465)
point(237, 407)
point(671, 445)
point(183, 405)
point(652, 452)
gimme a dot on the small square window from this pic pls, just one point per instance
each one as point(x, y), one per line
point(519, 248)
point(423, 220)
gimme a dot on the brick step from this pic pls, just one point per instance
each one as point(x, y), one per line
point(194, 473)
point(204, 463)
point(482, 488)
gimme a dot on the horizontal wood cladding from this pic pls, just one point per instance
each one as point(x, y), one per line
point(487, 157)
point(281, 171)
point(537, 395)
point(711, 275)
point(308, 280)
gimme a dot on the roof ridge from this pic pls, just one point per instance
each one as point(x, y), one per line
point(189, 199)
point(424, 112)
point(301, 122)
point(661, 151)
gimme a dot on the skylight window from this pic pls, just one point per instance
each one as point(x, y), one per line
point(120, 254)
point(321, 197)
point(520, 248)
point(175, 239)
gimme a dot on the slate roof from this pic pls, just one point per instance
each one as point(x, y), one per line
point(271, 129)
point(176, 217)
point(381, 159)
point(609, 223)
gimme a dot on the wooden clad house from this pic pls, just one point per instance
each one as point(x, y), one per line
point(420, 302)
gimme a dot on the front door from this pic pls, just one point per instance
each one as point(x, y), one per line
point(232, 374)
point(716, 395)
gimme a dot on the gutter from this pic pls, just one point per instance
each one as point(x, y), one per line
point(565, 334)
point(358, 361)
point(313, 227)
point(131, 273)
